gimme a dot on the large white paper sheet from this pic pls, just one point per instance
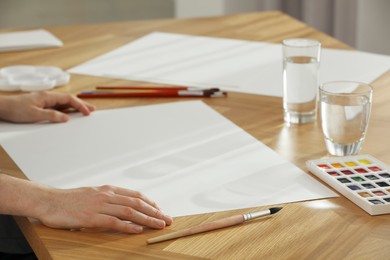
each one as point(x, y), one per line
point(26, 40)
point(9, 130)
point(184, 155)
point(233, 65)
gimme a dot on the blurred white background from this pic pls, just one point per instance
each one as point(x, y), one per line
point(363, 24)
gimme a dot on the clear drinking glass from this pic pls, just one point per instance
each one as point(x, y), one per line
point(345, 111)
point(301, 59)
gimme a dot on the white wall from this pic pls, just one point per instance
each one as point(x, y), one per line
point(363, 24)
point(373, 26)
point(199, 8)
point(36, 13)
point(190, 8)
point(368, 29)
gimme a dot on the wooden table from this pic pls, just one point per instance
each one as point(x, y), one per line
point(323, 229)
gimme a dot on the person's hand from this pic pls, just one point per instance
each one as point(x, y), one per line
point(107, 207)
point(102, 207)
point(40, 106)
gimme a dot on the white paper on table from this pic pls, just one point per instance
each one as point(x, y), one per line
point(9, 130)
point(184, 155)
point(26, 40)
point(233, 65)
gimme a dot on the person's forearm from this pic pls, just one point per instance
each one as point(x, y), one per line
point(21, 197)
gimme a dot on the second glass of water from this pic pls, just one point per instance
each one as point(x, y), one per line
point(345, 112)
point(301, 59)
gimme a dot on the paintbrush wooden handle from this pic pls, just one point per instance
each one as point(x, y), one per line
point(226, 222)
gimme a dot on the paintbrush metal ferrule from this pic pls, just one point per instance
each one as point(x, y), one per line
point(261, 213)
point(256, 214)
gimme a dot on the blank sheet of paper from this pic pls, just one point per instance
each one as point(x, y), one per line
point(26, 40)
point(233, 65)
point(184, 155)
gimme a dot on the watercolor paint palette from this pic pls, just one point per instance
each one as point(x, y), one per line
point(363, 179)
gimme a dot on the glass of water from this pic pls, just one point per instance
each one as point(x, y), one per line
point(345, 108)
point(301, 59)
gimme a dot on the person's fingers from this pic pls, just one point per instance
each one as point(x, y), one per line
point(58, 99)
point(110, 222)
point(133, 215)
point(81, 106)
point(133, 194)
point(138, 211)
point(51, 116)
point(138, 201)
